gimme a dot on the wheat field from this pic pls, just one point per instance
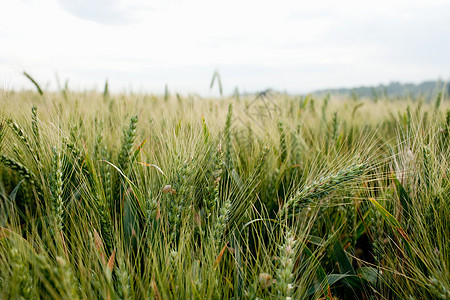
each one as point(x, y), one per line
point(266, 196)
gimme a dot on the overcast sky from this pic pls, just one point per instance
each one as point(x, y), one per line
point(293, 46)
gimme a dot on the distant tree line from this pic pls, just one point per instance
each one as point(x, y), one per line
point(426, 90)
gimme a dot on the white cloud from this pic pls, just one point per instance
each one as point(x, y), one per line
point(106, 12)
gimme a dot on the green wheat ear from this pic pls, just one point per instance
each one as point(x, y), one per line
point(206, 134)
point(123, 282)
point(128, 140)
point(21, 282)
point(228, 144)
point(34, 82)
point(216, 77)
point(23, 137)
point(18, 167)
point(220, 224)
point(447, 119)
point(321, 188)
point(438, 101)
point(22, 171)
point(34, 126)
point(326, 100)
point(68, 279)
point(283, 144)
point(57, 189)
point(2, 132)
point(65, 91)
point(166, 93)
point(106, 91)
point(284, 283)
point(334, 127)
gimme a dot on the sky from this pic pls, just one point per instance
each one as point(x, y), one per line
point(288, 45)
